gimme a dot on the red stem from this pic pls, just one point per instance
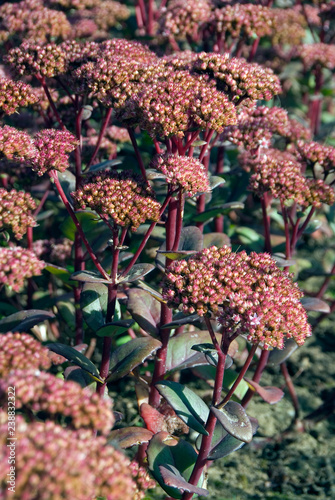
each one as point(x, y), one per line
point(51, 102)
point(137, 153)
point(53, 174)
point(240, 376)
point(266, 222)
point(257, 376)
point(291, 389)
point(210, 425)
point(179, 223)
point(101, 135)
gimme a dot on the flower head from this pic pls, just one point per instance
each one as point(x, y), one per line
point(188, 173)
point(122, 196)
point(183, 18)
point(289, 27)
point(281, 175)
point(40, 60)
point(237, 78)
point(53, 462)
point(243, 19)
point(321, 54)
point(17, 264)
point(15, 211)
point(248, 294)
point(43, 392)
point(53, 148)
point(16, 145)
point(313, 152)
point(14, 95)
point(21, 351)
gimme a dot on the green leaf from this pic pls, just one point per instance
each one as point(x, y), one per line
point(105, 164)
point(130, 436)
point(278, 356)
point(67, 311)
point(76, 358)
point(78, 375)
point(115, 328)
point(59, 272)
point(68, 183)
point(87, 219)
point(191, 240)
point(219, 210)
point(93, 303)
point(126, 357)
point(163, 450)
point(235, 420)
point(144, 309)
point(188, 406)
point(89, 277)
point(24, 320)
point(315, 304)
point(216, 181)
point(172, 477)
point(137, 272)
point(216, 239)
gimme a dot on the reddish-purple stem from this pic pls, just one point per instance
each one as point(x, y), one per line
point(51, 102)
point(257, 376)
point(179, 222)
point(101, 135)
point(240, 376)
point(211, 421)
point(54, 176)
point(266, 222)
point(291, 388)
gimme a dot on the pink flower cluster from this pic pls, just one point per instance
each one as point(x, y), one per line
point(17, 264)
point(15, 211)
point(21, 351)
point(122, 196)
point(280, 175)
point(289, 26)
point(32, 20)
point(43, 392)
point(54, 250)
point(14, 95)
point(237, 78)
point(182, 19)
point(16, 145)
point(57, 463)
point(183, 171)
point(314, 152)
point(248, 294)
point(243, 19)
point(41, 60)
point(322, 54)
point(143, 480)
point(53, 148)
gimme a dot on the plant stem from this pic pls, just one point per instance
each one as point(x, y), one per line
point(146, 237)
point(112, 295)
point(137, 153)
point(265, 202)
point(41, 79)
point(211, 421)
point(240, 376)
point(257, 376)
point(179, 222)
point(291, 389)
point(54, 176)
point(101, 135)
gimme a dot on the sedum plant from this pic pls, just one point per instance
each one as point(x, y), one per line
point(130, 182)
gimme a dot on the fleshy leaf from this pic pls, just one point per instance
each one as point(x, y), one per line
point(224, 444)
point(176, 255)
point(59, 272)
point(115, 328)
point(234, 419)
point(126, 357)
point(88, 277)
point(130, 436)
point(191, 240)
point(105, 164)
point(278, 356)
point(24, 320)
point(216, 181)
point(269, 394)
point(188, 406)
point(76, 358)
point(164, 450)
point(215, 211)
point(88, 221)
point(315, 304)
point(154, 293)
point(144, 309)
point(209, 352)
point(137, 272)
point(216, 239)
point(172, 477)
point(180, 319)
point(93, 303)
point(78, 375)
